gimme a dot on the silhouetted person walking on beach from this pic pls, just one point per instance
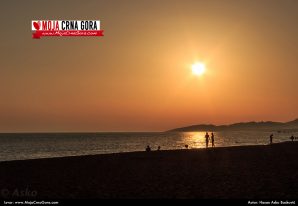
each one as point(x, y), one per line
point(148, 149)
point(207, 139)
point(212, 139)
point(271, 138)
point(292, 138)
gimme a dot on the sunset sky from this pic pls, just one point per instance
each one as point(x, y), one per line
point(138, 76)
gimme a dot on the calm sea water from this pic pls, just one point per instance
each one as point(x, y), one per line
point(33, 146)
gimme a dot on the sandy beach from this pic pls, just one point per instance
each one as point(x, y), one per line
point(249, 172)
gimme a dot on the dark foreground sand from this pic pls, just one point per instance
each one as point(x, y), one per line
point(248, 172)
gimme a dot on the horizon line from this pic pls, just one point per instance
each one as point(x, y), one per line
point(44, 132)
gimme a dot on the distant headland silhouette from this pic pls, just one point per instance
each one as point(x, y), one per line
point(268, 125)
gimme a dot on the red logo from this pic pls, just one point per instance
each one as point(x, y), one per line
point(42, 28)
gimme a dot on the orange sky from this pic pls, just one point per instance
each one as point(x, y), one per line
point(138, 76)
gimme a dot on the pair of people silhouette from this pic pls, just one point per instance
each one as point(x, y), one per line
point(207, 138)
point(148, 148)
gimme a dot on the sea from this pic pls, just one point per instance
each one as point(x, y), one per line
point(22, 146)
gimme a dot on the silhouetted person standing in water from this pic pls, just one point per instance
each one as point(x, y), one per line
point(271, 138)
point(212, 139)
point(207, 139)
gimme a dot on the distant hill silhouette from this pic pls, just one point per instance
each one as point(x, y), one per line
point(269, 125)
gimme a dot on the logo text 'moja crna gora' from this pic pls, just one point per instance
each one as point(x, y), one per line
point(58, 28)
point(63, 25)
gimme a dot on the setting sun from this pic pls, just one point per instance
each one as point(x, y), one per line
point(198, 68)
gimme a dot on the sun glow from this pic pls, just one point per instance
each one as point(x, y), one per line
point(198, 68)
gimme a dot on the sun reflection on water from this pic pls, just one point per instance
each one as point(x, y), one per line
point(194, 139)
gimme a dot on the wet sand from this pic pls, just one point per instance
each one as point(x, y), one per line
point(246, 172)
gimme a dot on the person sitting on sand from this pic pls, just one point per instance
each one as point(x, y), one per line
point(271, 138)
point(207, 139)
point(212, 139)
point(148, 149)
point(292, 138)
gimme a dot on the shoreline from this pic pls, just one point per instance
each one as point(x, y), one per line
point(249, 172)
point(137, 152)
